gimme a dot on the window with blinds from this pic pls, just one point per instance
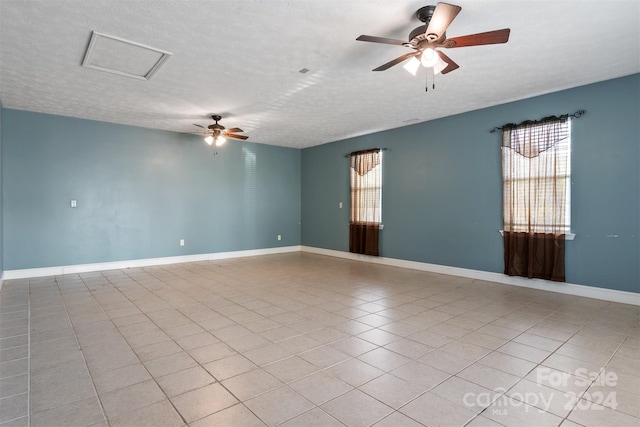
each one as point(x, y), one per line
point(536, 161)
point(366, 187)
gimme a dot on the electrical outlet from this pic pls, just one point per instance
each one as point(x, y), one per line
point(181, 242)
point(340, 205)
point(74, 204)
point(279, 237)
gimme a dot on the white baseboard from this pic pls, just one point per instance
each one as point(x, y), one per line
point(147, 262)
point(545, 285)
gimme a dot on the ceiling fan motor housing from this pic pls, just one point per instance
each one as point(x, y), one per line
point(216, 127)
point(419, 35)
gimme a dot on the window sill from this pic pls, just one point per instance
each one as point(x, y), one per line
point(567, 236)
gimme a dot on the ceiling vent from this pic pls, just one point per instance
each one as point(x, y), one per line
point(123, 57)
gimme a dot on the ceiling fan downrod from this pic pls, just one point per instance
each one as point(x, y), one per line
point(424, 14)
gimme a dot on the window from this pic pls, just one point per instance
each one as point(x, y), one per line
point(366, 188)
point(366, 201)
point(536, 197)
point(536, 160)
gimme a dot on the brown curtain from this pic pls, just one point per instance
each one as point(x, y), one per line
point(366, 197)
point(363, 239)
point(534, 255)
point(536, 173)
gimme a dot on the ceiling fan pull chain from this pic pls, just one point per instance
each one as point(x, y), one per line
point(426, 83)
point(433, 80)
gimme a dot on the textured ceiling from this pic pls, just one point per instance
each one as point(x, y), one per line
point(241, 59)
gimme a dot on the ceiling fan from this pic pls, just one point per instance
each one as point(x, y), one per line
point(218, 134)
point(428, 39)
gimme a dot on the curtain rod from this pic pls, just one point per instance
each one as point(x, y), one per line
point(349, 154)
point(575, 115)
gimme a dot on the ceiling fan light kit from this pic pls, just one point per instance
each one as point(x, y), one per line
point(219, 134)
point(429, 57)
point(427, 41)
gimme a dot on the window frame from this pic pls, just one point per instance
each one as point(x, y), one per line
point(378, 169)
point(569, 235)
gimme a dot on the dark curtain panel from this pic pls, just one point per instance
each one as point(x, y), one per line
point(534, 255)
point(363, 239)
point(366, 198)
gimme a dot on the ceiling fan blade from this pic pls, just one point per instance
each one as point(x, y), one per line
point(490, 37)
point(231, 135)
point(395, 61)
point(451, 65)
point(199, 126)
point(234, 130)
point(374, 39)
point(442, 17)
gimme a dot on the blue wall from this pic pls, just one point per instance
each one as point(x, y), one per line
point(138, 192)
point(442, 189)
point(1, 205)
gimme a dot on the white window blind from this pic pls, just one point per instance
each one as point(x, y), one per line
point(366, 188)
point(536, 161)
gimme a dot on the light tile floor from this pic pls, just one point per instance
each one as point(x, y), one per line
point(306, 340)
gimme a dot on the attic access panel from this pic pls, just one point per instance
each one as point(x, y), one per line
point(123, 57)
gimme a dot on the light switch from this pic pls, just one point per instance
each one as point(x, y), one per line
point(73, 203)
point(340, 205)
